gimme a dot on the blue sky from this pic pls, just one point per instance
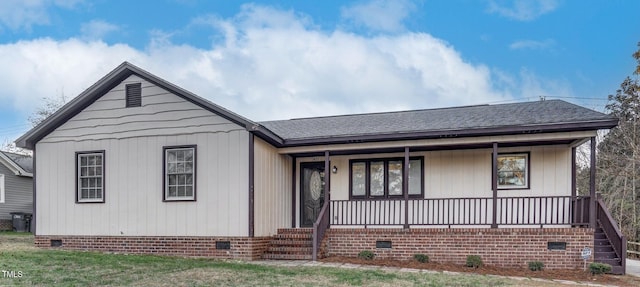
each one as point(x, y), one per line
point(284, 59)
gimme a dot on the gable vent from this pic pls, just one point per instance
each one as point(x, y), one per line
point(134, 95)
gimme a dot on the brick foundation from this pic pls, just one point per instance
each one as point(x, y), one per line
point(241, 247)
point(5, 224)
point(503, 247)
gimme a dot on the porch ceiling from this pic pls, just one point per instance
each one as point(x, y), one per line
point(569, 139)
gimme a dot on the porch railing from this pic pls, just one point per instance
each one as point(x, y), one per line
point(535, 210)
point(319, 228)
point(610, 228)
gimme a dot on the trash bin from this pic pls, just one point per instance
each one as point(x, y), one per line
point(20, 221)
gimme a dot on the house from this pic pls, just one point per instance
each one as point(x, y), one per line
point(16, 186)
point(136, 164)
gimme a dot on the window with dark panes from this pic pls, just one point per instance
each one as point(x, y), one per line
point(382, 178)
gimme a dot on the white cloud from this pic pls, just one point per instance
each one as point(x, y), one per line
point(22, 14)
point(379, 15)
point(97, 29)
point(532, 44)
point(269, 64)
point(522, 10)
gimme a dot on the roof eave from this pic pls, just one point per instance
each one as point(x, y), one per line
point(523, 129)
point(13, 166)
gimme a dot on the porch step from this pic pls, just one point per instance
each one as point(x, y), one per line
point(604, 252)
point(291, 244)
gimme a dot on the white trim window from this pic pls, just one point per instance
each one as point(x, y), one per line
point(1, 188)
point(180, 173)
point(90, 175)
point(513, 171)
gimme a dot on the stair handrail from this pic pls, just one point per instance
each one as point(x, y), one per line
point(319, 228)
point(614, 234)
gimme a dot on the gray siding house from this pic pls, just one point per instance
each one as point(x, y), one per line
point(137, 164)
point(16, 186)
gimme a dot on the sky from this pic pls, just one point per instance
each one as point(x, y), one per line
point(269, 60)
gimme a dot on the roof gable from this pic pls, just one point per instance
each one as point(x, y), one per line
point(107, 83)
point(21, 165)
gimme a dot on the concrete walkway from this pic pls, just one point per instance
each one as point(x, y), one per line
point(307, 263)
point(633, 267)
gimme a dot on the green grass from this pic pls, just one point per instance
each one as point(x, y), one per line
point(13, 233)
point(77, 268)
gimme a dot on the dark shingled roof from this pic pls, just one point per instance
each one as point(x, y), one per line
point(518, 117)
point(24, 161)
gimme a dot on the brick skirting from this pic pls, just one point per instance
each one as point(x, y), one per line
point(503, 247)
point(240, 247)
point(6, 224)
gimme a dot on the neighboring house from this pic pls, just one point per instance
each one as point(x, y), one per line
point(136, 164)
point(16, 186)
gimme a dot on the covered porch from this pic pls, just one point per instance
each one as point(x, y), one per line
point(330, 199)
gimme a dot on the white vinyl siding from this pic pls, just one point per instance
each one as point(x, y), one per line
point(90, 171)
point(133, 140)
point(272, 189)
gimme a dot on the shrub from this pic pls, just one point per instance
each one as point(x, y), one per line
point(366, 255)
point(422, 258)
point(474, 261)
point(599, 268)
point(536, 266)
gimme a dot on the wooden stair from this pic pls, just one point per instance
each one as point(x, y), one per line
point(604, 253)
point(291, 244)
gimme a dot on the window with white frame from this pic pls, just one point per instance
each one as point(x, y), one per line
point(382, 178)
point(179, 173)
point(1, 188)
point(513, 171)
point(90, 176)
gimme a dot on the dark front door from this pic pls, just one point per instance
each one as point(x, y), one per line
point(312, 192)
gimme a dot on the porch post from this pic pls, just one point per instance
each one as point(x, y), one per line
point(592, 185)
point(494, 184)
point(293, 192)
point(327, 177)
point(405, 186)
point(573, 172)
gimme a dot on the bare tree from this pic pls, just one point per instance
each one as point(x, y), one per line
point(49, 106)
point(619, 156)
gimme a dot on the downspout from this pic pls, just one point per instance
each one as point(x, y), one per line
point(33, 216)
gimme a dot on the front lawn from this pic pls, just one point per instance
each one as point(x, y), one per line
point(22, 264)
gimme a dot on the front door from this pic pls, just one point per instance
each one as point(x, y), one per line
point(312, 192)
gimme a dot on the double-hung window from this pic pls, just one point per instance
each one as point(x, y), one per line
point(90, 176)
point(383, 178)
point(513, 171)
point(180, 173)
